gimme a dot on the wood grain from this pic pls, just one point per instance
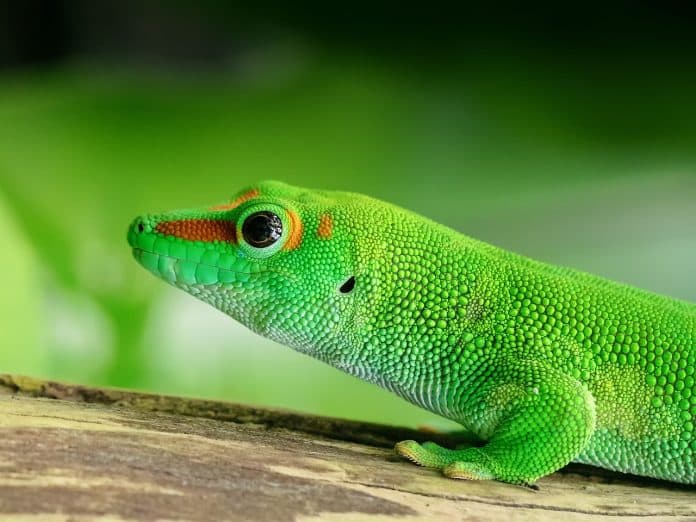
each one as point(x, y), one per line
point(78, 453)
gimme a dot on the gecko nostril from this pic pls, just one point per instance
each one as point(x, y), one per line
point(141, 227)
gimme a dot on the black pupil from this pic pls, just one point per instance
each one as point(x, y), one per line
point(262, 229)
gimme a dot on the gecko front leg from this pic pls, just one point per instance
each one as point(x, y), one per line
point(541, 419)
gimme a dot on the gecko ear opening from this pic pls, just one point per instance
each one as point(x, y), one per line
point(348, 285)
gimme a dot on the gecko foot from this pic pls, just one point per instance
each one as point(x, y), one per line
point(464, 464)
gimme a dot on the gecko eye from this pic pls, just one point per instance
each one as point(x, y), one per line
point(262, 229)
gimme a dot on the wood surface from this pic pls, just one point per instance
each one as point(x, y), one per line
point(73, 453)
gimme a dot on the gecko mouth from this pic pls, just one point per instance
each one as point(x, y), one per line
point(176, 270)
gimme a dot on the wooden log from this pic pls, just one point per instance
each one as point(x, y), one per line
point(78, 453)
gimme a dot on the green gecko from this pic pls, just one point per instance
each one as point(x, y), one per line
point(545, 365)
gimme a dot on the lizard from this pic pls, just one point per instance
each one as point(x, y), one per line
point(544, 365)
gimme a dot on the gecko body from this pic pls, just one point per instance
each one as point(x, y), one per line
point(545, 365)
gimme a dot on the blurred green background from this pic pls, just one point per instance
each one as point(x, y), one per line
point(567, 137)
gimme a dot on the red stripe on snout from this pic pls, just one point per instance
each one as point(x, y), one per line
point(199, 229)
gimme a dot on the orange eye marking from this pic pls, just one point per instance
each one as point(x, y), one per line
point(199, 229)
point(325, 228)
point(234, 204)
point(296, 230)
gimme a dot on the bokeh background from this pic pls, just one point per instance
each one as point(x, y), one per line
point(569, 137)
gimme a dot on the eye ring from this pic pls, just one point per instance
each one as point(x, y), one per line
point(262, 229)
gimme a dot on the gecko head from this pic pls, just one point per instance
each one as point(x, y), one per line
point(279, 259)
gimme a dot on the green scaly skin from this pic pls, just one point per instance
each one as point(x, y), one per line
point(545, 365)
